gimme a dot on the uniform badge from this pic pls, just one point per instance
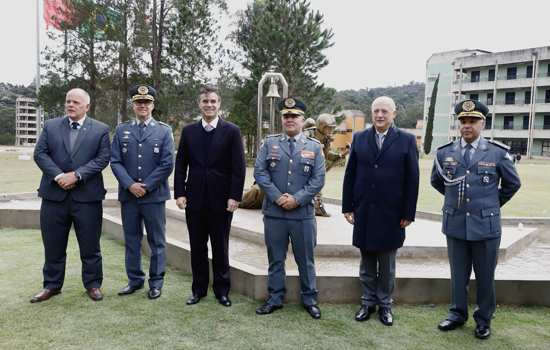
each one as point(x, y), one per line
point(306, 169)
point(143, 90)
point(272, 164)
point(468, 106)
point(290, 102)
point(124, 149)
point(485, 179)
point(308, 154)
point(156, 150)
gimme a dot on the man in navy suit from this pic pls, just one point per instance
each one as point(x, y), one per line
point(208, 184)
point(71, 152)
point(142, 159)
point(379, 200)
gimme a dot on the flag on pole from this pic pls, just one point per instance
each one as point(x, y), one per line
point(58, 14)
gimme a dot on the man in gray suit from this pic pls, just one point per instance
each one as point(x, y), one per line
point(71, 152)
point(477, 177)
point(290, 170)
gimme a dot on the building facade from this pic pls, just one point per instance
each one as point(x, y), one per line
point(515, 85)
point(28, 121)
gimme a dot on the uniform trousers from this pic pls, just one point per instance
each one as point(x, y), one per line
point(303, 236)
point(482, 255)
point(134, 216)
point(56, 219)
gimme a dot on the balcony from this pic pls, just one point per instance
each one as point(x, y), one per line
point(501, 107)
point(542, 106)
point(467, 85)
point(508, 133)
point(541, 134)
point(543, 80)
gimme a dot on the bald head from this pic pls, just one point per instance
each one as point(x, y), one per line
point(383, 113)
point(77, 103)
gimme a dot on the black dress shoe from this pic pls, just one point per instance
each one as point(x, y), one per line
point(482, 332)
point(385, 315)
point(193, 299)
point(449, 325)
point(267, 309)
point(313, 311)
point(95, 293)
point(154, 293)
point(224, 300)
point(129, 290)
point(44, 295)
point(364, 313)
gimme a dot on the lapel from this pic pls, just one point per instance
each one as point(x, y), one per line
point(480, 152)
point(372, 147)
point(216, 140)
point(149, 129)
point(391, 136)
point(65, 130)
point(457, 153)
point(82, 134)
point(134, 129)
point(283, 143)
point(299, 144)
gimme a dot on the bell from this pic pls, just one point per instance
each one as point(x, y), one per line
point(273, 91)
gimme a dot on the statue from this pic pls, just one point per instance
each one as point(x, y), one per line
point(323, 130)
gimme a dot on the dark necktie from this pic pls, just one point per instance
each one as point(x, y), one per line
point(74, 125)
point(141, 129)
point(291, 145)
point(467, 153)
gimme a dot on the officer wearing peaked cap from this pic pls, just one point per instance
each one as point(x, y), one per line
point(142, 159)
point(290, 170)
point(477, 177)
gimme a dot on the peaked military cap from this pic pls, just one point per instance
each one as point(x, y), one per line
point(143, 92)
point(291, 105)
point(471, 108)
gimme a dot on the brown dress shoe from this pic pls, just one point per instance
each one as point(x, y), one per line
point(45, 294)
point(95, 294)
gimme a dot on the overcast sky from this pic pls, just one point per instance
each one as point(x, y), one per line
point(377, 43)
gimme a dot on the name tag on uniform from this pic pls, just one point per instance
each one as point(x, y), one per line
point(308, 154)
point(156, 150)
point(486, 164)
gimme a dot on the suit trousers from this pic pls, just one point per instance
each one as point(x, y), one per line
point(56, 219)
point(134, 216)
point(202, 225)
point(377, 276)
point(482, 255)
point(303, 235)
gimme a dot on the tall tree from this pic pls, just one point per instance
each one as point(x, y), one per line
point(428, 137)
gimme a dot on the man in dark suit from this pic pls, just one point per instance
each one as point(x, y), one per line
point(142, 159)
point(208, 184)
point(71, 152)
point(379, 200)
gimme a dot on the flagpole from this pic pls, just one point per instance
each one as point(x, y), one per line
point(37, 46)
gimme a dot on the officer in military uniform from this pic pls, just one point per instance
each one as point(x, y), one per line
point(142, 159)
point(290, 170)
point(477, 177)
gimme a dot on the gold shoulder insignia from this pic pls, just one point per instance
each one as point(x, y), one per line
point(499, 144)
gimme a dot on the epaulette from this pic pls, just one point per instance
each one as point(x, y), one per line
point(499, 144)
point(445, 145)
point(163, 123)
point(313, 139)
point(273, 135)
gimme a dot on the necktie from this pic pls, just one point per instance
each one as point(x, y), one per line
point(141, 129)
point(208, 128)
point(467, 153)
point(74, 125)
point(380, 140)
point(73, 134)
point(291, 145)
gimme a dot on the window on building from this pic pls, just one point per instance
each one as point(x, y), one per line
point(474, 97)
point(488, 122)
point(547, 96)
point(489, 98)
point(511, 73)
point(525, 122)
point(529, 72)
point(548, 71)
point(545, 148)
point(508, 122)
point(474, 77)
point(546, 124)
point(527, 97)
point(518, 146)
point(491, 75)
point(510, 98)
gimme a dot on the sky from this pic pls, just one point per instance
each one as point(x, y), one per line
point(376, 43)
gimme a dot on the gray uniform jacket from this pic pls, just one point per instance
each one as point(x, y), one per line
point(474, 193)
point(301, 174)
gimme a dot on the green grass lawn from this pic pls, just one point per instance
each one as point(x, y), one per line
point(531, 200)
point(72, 321)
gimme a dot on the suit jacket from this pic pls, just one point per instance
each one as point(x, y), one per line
point(209, 179)
point(90, 155)
point(381, 188)
point(472, 206)
point(148, 159)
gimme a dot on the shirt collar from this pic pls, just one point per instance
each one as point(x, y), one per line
point(80, 122)
point(474, 143)
point(382, 133)
point(213, 123)
point(146, 121)
point(295, 137)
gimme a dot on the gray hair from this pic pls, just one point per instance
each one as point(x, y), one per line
point(81, 92)
point(386, 100)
